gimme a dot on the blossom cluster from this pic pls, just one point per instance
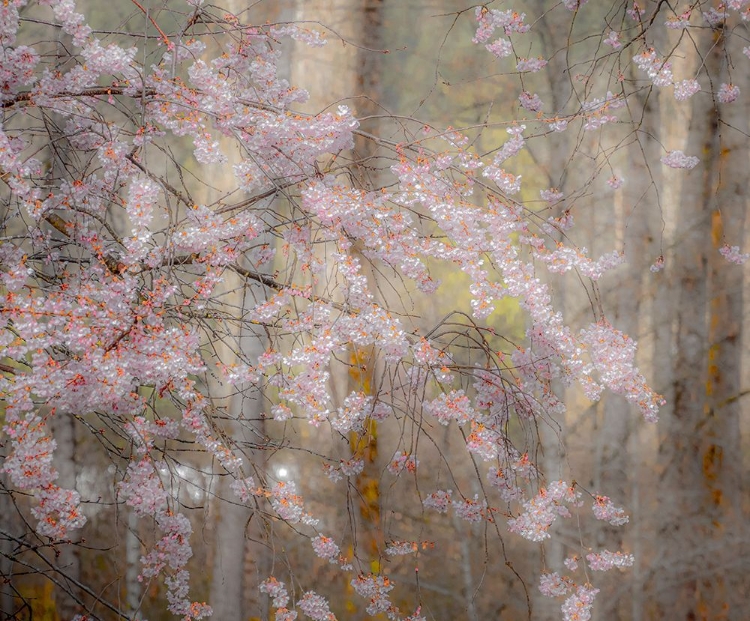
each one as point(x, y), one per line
point(657, 69)
point(133, 328)
point(606, 560)
point(490, 20)
point(613, 354)
point(733, 254)
point(543, 509)
point(604, 510)
point(677, 159)
point(374, 589)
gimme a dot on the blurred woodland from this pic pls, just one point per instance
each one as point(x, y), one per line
point(401, 64)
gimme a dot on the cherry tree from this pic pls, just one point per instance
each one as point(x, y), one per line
point(169, 319)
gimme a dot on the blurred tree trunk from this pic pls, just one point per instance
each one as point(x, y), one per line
point(559, 148)
point(245, 427)
point(702, 464)
point(721, 454)
point(132, 566)
point(63, 425)
point(637, 230)
point(7, 512)
point(68, 561)
point(353, 69)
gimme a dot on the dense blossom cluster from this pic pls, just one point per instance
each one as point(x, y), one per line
point(606, 560)
point(543, 509)
point(316, 607)
point(579, 605)
point(375, 589)
point(733, 254)
point(605, 510)
point(612, 354)
point(677, 159)
point(112, 303)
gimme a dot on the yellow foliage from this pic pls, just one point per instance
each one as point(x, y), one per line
point(40, 597)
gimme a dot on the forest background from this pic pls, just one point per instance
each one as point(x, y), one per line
point(402, 65)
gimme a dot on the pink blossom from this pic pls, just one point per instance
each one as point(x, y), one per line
point(657, 265)
point(636, 11)
point(501, 48)
point(606, 560)
point(403, 461)
point(326, 548)
point(505, 484)
point(728, 93)
point(531, 64)
point(733, 254)
point(613, 40)
point(352, 467)
point(686, 89)
point(277, 590)
point(677, 159)
point(552, 585)
point(439, 500)
point(530, 101)
point(714, 16)
point(453, 406)
point(374, 589)
point(613, 354)
point(574, 5)
point(578, 606)
point(401, 548)
point(542, 510)
point(615, 182)
point(605, 510)
point(552, 195)
point(679, 21)
point(316, 607)
point(492, 19)
point(471, 510)
point(658, 70)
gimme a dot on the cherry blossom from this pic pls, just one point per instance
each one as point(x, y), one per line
point(471, 510)
point(530, 101)
point(657, 265)
point(578, 606)
point(677, 159)
point(574, 5)
point(403, 461)
point(439, 500)
point(375, 589)
point(686, 89)
point(612, 355)
point(126, 317)
point(531, 64)
point(715, 17)
point(326, 548)
point(316, 607)
point(606, 560)
point(658, 70)
point(615, 182)
point(733, 254)
point(401, 548)
point(542, 510)
point(613, 40)
point(728, 93)
point(678, 22)
point(605, 510)
point(553, 585)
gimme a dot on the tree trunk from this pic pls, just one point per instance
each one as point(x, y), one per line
point(700, 441)
point(68, 560)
